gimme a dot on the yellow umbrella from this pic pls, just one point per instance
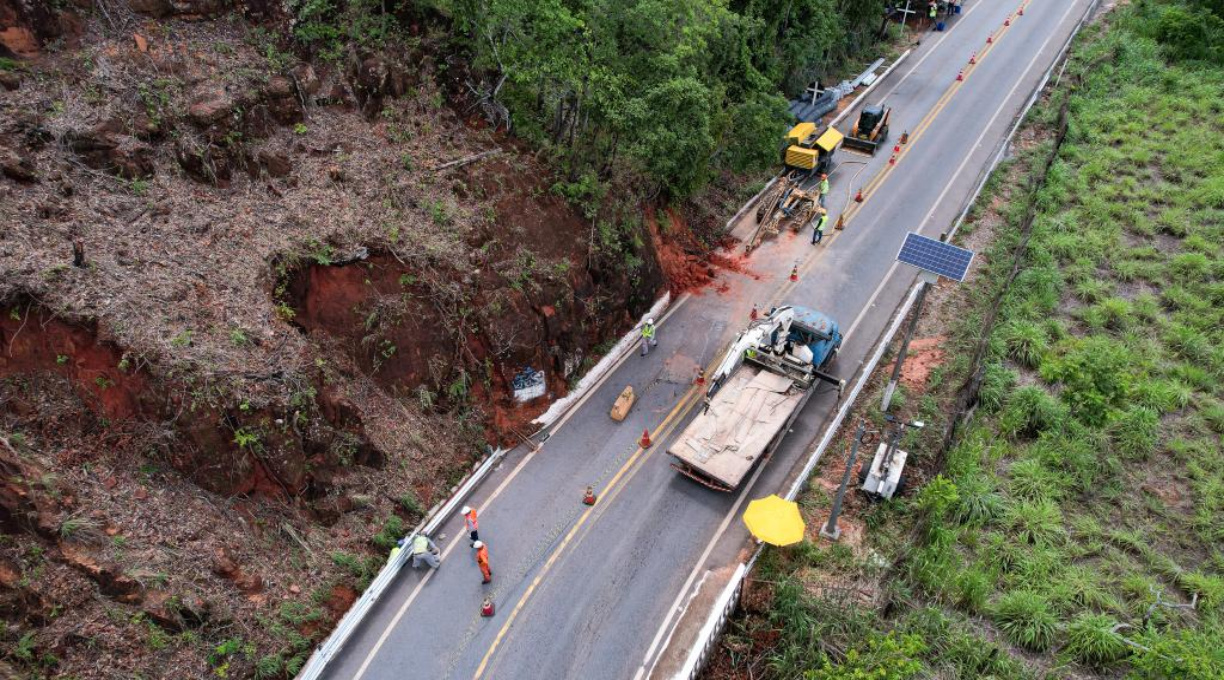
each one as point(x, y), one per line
point(774, 520)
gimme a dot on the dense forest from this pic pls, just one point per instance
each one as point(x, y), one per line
point(671, 90)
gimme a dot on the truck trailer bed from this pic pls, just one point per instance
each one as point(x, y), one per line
point(726, 440)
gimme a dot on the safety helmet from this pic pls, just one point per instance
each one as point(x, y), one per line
point(478, 545)
point(649, 322)
point(467, 510)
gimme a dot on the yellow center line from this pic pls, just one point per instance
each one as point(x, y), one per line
point(609, 492)
point(874, 184)
point(612, 490)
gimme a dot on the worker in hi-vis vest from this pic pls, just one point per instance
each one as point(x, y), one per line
point(424, 550)
point(473, 524)
point(648, 336)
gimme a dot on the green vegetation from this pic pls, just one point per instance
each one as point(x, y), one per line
point(1073, 528)
point(679, 89)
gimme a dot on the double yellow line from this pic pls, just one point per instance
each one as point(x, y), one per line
point(609, 492)
point(692, 396)
point(872, 186)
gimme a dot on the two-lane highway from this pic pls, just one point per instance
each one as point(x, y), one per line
point(592, 592)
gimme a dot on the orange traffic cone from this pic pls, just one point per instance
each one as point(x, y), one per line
point(794, 273)
point(990, 40)
point(588, 498)
point(905, 137)
point(486, 609)
point(645, 442)
point(960, 75)
point(700, 377)
point(754, 315)
point(1007, 21)
point(897, 148)
point(858, 198)
point(841, 223)
point(973, 58)
point(893, 160)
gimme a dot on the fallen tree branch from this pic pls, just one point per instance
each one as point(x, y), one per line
point(467, 159)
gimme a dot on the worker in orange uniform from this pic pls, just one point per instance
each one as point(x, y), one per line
point(473, 525)
point(482, 559)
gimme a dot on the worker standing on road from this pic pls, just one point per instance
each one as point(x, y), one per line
point(824, 188)
point(482, 560)
point(424, 550)
point(473, 525)
point(932, 10)
point(821, 223)
point(648, 337)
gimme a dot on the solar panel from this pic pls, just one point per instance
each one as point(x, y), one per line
point(935, 256)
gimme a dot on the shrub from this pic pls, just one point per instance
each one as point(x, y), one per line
point(1031, 480)
point(1134, 433)
point(997, 382)
point(1037, 522)
point(1096, 373)
point(885, 657)
point(1030, 411)
point(1091, 640)
point(977, 502)
point(1025, 618)
point(1026, 342)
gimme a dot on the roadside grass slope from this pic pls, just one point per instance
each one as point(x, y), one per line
point(1074, 526)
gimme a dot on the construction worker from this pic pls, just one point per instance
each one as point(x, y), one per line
point(648, 337)
point(482, 560)
point(821, 223)
point(824, 188)
point(424, 550)
point(473, 525)
point(932, 10)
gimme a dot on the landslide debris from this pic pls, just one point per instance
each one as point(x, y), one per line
point(251, 328)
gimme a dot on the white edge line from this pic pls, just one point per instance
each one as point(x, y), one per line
point(694, 657)
point(354, 617)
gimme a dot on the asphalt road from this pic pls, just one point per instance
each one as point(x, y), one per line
point(592, 592)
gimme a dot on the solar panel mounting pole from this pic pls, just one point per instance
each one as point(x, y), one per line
point(927, 279)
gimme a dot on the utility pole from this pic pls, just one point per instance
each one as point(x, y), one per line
point(909, 333)
point(830, 530)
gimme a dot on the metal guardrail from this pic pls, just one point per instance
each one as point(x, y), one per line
point(718, 618)
point(352, 619)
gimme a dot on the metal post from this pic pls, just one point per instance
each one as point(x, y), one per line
point(830, 530)
point(909, 332)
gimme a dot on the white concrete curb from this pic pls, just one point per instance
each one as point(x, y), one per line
point(605, 365)
point(325, 652)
